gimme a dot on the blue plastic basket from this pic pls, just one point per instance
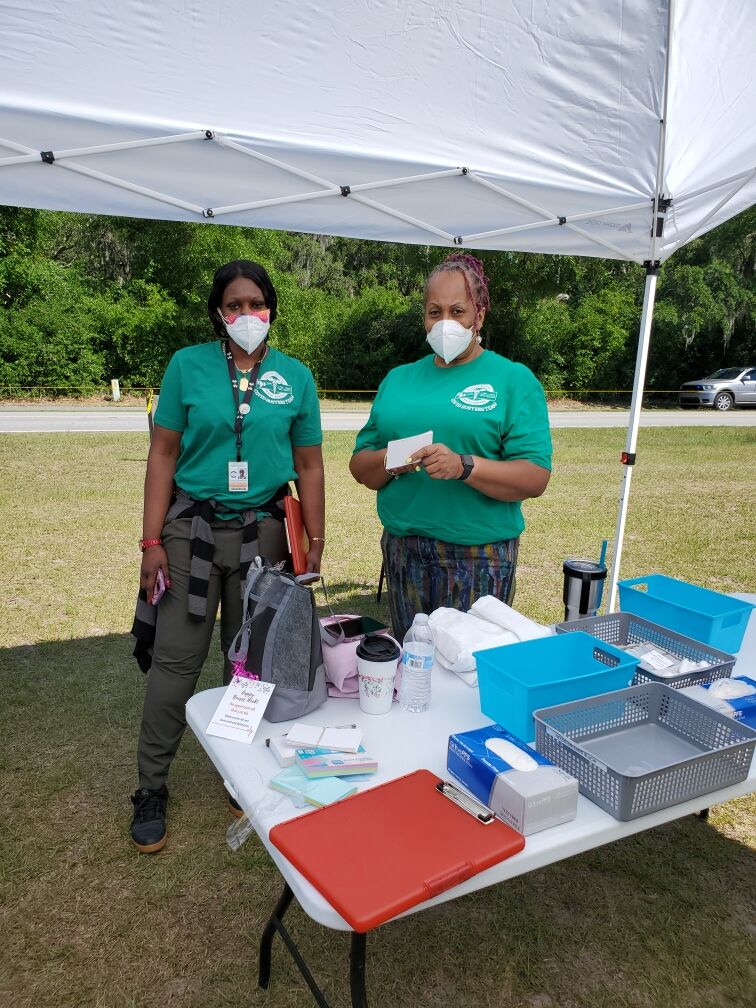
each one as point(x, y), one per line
point(516, 679)
point(705, 615)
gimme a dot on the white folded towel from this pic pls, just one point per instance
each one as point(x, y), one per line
point(499, 613)
point(489, 623)
point(468, 678)
point(457, 634)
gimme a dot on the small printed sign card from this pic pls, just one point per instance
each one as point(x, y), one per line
point(240, 711)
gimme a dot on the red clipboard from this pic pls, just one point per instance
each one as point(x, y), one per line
point(389, 848)
point(296, 537)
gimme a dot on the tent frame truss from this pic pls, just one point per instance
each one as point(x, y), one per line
point(65, 159)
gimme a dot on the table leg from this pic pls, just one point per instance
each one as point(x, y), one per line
point(357, 960)
point(275, 923)
point(268, 934)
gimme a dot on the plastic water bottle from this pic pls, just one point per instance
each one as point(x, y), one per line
point(417, 664)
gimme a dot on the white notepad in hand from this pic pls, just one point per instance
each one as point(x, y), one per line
point(400, 451)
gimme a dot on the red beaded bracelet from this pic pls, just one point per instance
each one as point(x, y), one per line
point(146, 543)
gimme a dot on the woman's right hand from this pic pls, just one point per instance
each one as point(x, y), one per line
point(154, 559)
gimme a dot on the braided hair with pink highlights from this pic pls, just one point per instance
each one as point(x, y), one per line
point(473, 274)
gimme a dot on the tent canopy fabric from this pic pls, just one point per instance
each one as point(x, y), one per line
point(494, 124)
point(611, 128)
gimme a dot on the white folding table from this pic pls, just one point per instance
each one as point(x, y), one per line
point(402, 742)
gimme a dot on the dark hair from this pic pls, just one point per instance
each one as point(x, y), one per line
point(223, 277)
point(473, 274)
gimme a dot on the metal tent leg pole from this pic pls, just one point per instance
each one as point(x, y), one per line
point(628, 456)
point(357, 960)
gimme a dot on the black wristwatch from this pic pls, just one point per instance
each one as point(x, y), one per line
point(467, 466)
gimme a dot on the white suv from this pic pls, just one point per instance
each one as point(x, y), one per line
point(728, 387)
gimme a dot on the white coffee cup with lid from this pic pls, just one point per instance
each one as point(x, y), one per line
point(377, 659)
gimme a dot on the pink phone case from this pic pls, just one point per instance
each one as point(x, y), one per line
point(159, 589)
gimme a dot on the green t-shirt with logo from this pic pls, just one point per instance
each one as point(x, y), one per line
point(491, 407)
point(196, 400)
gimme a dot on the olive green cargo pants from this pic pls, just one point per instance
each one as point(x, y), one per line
point(181, 645)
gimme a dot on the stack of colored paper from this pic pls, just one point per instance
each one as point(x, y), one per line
point(298, 787)
point(320, 762)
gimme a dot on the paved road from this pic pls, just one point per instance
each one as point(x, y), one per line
point(27, 420)
point(654, 418)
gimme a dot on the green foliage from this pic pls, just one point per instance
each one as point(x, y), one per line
point(706, 308)
point(49, 336)
point(376, 332)
point(136, 315)
point(602, 322)
point(84, 299)
point(580, 347)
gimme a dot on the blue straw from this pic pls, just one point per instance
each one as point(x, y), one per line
point(602, 558)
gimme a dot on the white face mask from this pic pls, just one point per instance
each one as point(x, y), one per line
point(449, 339)
point(247, 331)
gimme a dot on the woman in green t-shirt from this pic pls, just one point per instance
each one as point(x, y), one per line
point(237, 420)
point(452, 516)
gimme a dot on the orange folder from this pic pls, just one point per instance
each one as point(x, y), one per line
point(389, 848)
point(296, 537)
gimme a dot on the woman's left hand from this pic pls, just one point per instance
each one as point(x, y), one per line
point(439, 462)
point(314, 557)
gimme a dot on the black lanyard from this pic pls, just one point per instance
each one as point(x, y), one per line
point(240, 414)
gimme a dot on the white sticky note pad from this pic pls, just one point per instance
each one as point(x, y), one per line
point(304, 735)
point(399, 451)
point(308, 736)
point(343, 739)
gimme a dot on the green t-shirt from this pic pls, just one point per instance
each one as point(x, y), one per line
point(196, 400)
point(491, 407)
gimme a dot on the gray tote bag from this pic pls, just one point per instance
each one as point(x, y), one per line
point(279, 641)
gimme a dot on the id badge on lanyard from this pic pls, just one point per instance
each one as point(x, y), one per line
point(238, 470)
point(238, 477)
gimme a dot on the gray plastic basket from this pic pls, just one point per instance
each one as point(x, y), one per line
point(644, 748)
point(623, 628)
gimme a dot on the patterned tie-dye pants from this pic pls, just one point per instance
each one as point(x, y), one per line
point(423, 574)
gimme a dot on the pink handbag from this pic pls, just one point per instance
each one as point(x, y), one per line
point(340, 660)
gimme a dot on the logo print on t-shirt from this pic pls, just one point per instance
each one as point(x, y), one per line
point(273, 388)
point(480, 398)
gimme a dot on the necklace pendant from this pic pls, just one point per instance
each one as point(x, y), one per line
point(243, 383)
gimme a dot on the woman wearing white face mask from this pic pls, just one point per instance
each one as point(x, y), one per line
point(452, 517)
point(237, 420)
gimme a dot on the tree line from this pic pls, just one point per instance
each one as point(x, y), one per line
point(84, 299)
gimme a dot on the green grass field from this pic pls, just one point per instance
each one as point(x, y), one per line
point(661, 920)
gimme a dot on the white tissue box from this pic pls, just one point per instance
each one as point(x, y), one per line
point(529, 800)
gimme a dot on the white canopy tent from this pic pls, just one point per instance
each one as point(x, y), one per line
point(613, 128)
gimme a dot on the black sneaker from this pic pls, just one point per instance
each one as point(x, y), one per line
point(235, 807)
point(148, 825)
